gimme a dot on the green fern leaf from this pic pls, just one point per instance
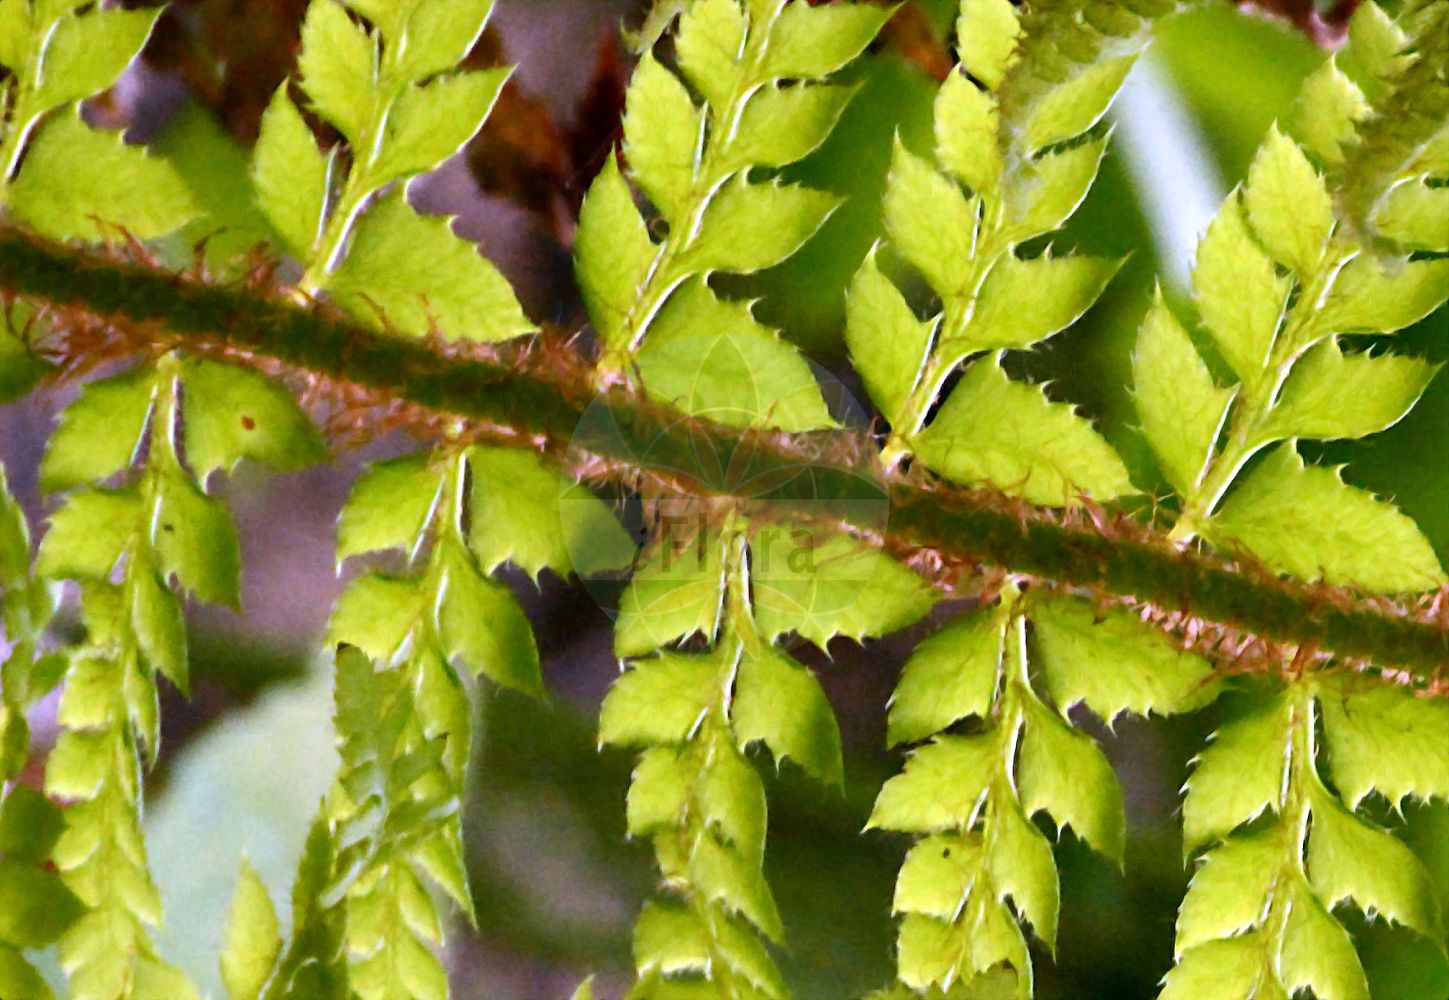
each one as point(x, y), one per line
point(711, 358)
point(59, 54)
point(431, 122)
point(481, 625)
point(932, 952)
point(1064, 773)
point(988, 32)
point(82, 183)
point(233, 413)
point(1333, 395)
point(725, 879)
point(1113, 662)
point(1260, 906)
point(100, 433)
point(1227, 890)
point(708, 43)
point(1226, 969)
point(810, 43)
point(1328, 112)
point(930, 222)
point(1384, 738)
point(1416, 217)
point(160, 633)
point(87, 52)
point(89, 534)
point(14, 33)
point(940, 787)
point(1023, 302)
point(440, 33)
point(388, 91)
point(730, 238)
point(1371, 296)
point(937, 875)
point(1012, 96)
point(1240, 774)
point(411, 273)
point(525, 513)
point(1241, 296)
point(291, 176)
point(968, 126)
point(1182, 410)
point(195, 541)
point(613, 254)
point(36, 907)
point(997, 431)
point(253, 938)
point(675, 592)
point(384, 802)
point(820, 588)
point(452, 610)
point(888, 345)
point(779, 703)
point(782, 125)
point(1052, 187)
point(1350, 860)
point(26, 607)
point(1288, 204)
point(693, 160)
point(1308, 522)
point(1071, 109)
point(1318, 953)
point(19, 978)
point(663, 130)
point(658, 790)
point(1022, 866)
point(1377, 42)
point(312, 966)
point(951, 675)
point(338, 63)
point(390, 505)
point(107, 954)
point(658, 701)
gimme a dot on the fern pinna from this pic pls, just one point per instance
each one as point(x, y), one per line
point(1049, 595)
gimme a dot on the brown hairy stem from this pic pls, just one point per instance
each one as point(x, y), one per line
point(537, 392)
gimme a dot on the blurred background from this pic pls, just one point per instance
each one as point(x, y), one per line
point(557, 883)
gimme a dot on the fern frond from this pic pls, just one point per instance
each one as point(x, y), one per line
point(1008, 122)
point(1403, 139)
point(757, 68)
point(459, 513)
point(693, 714)
point(1284, 850)
point(928, 520)
point(313, 965)
point(124, 545)
point(391, 88)
point(1280, 283)
point(972, 797)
